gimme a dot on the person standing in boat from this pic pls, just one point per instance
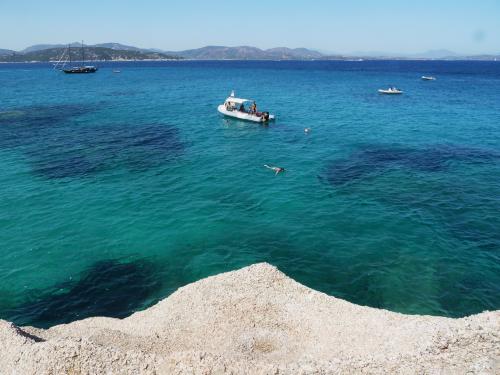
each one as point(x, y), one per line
point(242, 107)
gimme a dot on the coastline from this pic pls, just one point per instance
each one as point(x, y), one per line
point(256, 320)
point(93, 61)
point(363, 59)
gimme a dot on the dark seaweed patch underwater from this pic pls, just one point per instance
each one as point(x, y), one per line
point(433, 197)
point(57, 146)
point(108, 288)
point(374, 160)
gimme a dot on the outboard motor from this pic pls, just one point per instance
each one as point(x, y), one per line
point(265, 116)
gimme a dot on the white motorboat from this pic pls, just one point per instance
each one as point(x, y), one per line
point(428, 78)
point(235, 107)
point(390, 90)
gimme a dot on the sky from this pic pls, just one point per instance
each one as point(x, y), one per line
point(390, 26)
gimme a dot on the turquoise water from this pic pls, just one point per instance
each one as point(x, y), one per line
point(116, 189)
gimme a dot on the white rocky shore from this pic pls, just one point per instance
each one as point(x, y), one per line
point(256, 321)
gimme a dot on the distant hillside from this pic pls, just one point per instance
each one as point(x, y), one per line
point(483, 57)
point(118, 51)
point(41, 47)
point(111, 45)
point(435, 54)
point(248, 53)
point(296, 53)
point(4, 52)
point(432, 54)
point(91, 54)
point(120, 47)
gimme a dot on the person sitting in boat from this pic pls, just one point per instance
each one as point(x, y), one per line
point(229, 107)
point(242, 107)
point(253, 108)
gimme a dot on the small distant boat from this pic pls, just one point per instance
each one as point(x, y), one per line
point(116, 71)
point(82, 69)
point(235, 107)
point(391, 91)
point(428, 78)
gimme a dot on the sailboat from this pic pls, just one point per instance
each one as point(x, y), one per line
point(79, 69)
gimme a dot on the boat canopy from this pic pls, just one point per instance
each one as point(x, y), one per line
point(232, 99)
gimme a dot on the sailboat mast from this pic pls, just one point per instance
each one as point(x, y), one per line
point(69, 53)
point(83, 55)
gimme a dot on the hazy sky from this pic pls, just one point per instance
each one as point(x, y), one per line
point(464, 26)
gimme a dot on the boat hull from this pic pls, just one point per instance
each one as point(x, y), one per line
point(243, 115)
point(85, 70)
point(390, 92)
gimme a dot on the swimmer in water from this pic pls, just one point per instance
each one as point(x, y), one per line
point(276, 169)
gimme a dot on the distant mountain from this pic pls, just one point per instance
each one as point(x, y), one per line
point(283, 53)
point(119, 46)
point(115, 46)
point(118, 51)
point(483, 57)
point(435, 54)
point(296, 53)
point(221, 53)
point(91, 54)
point(6, 52)
point(110, 45)
point(204, 53)
point(432, 54)
point(41, 47)
point(248, 53)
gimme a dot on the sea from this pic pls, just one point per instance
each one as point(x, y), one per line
point(116, 188)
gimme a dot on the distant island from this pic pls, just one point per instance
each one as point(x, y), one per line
point(92, 53)
point(121, 52)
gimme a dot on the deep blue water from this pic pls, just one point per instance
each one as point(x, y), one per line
point(116, 189)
